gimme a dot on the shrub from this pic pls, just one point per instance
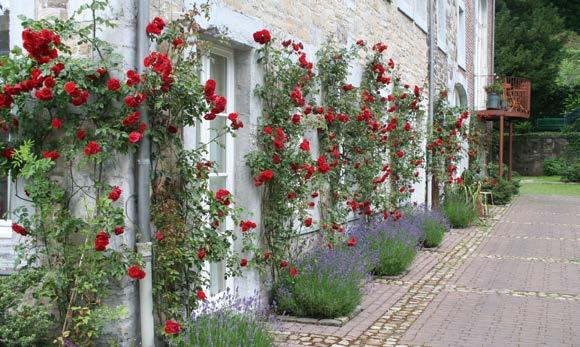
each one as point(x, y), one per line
point(459, 211)
point(503, 190)
point(395, 244)
point(328, 283)
point(571, 173)
point(554, 166)
point(434, 232)
point(240, 322)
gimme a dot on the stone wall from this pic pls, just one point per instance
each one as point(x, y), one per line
point(530, 151)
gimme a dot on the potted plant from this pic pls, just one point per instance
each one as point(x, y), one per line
point(494, 91)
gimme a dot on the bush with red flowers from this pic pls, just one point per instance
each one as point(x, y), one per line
point(76, 116)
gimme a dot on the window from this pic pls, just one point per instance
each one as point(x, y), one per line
point(461, 37)
point(219, 66)
point(5, 186)
point(417, 10)
point(442, 24)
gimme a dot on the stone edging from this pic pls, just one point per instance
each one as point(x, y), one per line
point(334, 322)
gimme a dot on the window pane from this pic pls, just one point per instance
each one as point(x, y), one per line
point(4, 36)
point(218, 72)
point(217, 269)
point(217, 149)
point(217, 280)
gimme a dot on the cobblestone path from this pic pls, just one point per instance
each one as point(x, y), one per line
point(512, 282)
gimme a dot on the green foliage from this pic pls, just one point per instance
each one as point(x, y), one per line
point(523, 127)
point(495, 87)
point(226, 329)
point(571, 173)
point(395, 255)
point(503, 190)
point(529, 41)
point(554, 166)
point(318, 295)
point(434, 232)
point(23, 322)
point(460, 212)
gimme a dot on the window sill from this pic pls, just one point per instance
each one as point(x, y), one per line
point(5, 229)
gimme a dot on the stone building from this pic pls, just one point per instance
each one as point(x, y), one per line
point(462, 58)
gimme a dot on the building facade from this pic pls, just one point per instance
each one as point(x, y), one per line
point(462, 60)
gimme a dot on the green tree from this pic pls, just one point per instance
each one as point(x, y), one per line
point(530, 37)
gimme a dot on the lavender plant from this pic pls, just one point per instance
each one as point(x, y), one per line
point(328, 283)
point(229, 322)
point(433, 225)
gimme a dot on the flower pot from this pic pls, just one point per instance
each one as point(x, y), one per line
point(493, 101)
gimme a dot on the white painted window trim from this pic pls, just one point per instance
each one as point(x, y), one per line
point(204, 136)
point(422, 6)
point(461, 44)
point(442, 25)
point(407, 7)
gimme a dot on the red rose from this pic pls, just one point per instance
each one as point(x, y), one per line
point(201, 254)
point(351, 242)
point(267, 255)
point(92, 148)
point(134, 100)
point(43, 94)
point(201, 295)
point(323, 166)
point(81, 134)
point(347, 87)
point(131, 119)
point(262, 36)
point(19, 229)
point(219, 105)
point(70, 88)
point(155, 27)
point(247, 225)
point(119, 230)
point(177, 42)
point(57, 68)
point(305, 145)
point(236, 124)
point(223, 196)
point(296, 118)
point(115, 193)
point(8, 153)
point(308, 221)
point(159, 236)
point(135, 272)
point(360, 42)
point(407, 126)
point(243, 262)
point(101, 241)
point(134, 137)
point(283, 264)
point(52, 155)
point(400, 154)
point(172, 129)
point(172, 327)
point(56, 123)
point(113, 84)
point(314, 195)
point(209, 89)
point(49, 82)
point(293, 272)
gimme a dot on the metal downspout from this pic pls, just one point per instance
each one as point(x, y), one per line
point(431, 67)
point(143, 192)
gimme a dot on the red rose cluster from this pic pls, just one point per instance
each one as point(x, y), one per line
point(262, 36)
point(155, 27)
point(218, 102)
point(41, 44)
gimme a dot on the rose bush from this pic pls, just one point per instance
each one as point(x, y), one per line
point(72, 119)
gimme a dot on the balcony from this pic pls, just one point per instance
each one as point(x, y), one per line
point(516, 99)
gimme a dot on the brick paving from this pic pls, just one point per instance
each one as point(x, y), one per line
point(512, 282)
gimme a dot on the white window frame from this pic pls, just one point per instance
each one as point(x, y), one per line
point(417, 11)
point(442, 25)
point(6, 224)
point(203, 135)
point(461, 34)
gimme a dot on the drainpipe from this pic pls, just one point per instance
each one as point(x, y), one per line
point(492, 37)
point(143, 192)
point(431, 78)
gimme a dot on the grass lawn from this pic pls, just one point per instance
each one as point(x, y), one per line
point(544, 185)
